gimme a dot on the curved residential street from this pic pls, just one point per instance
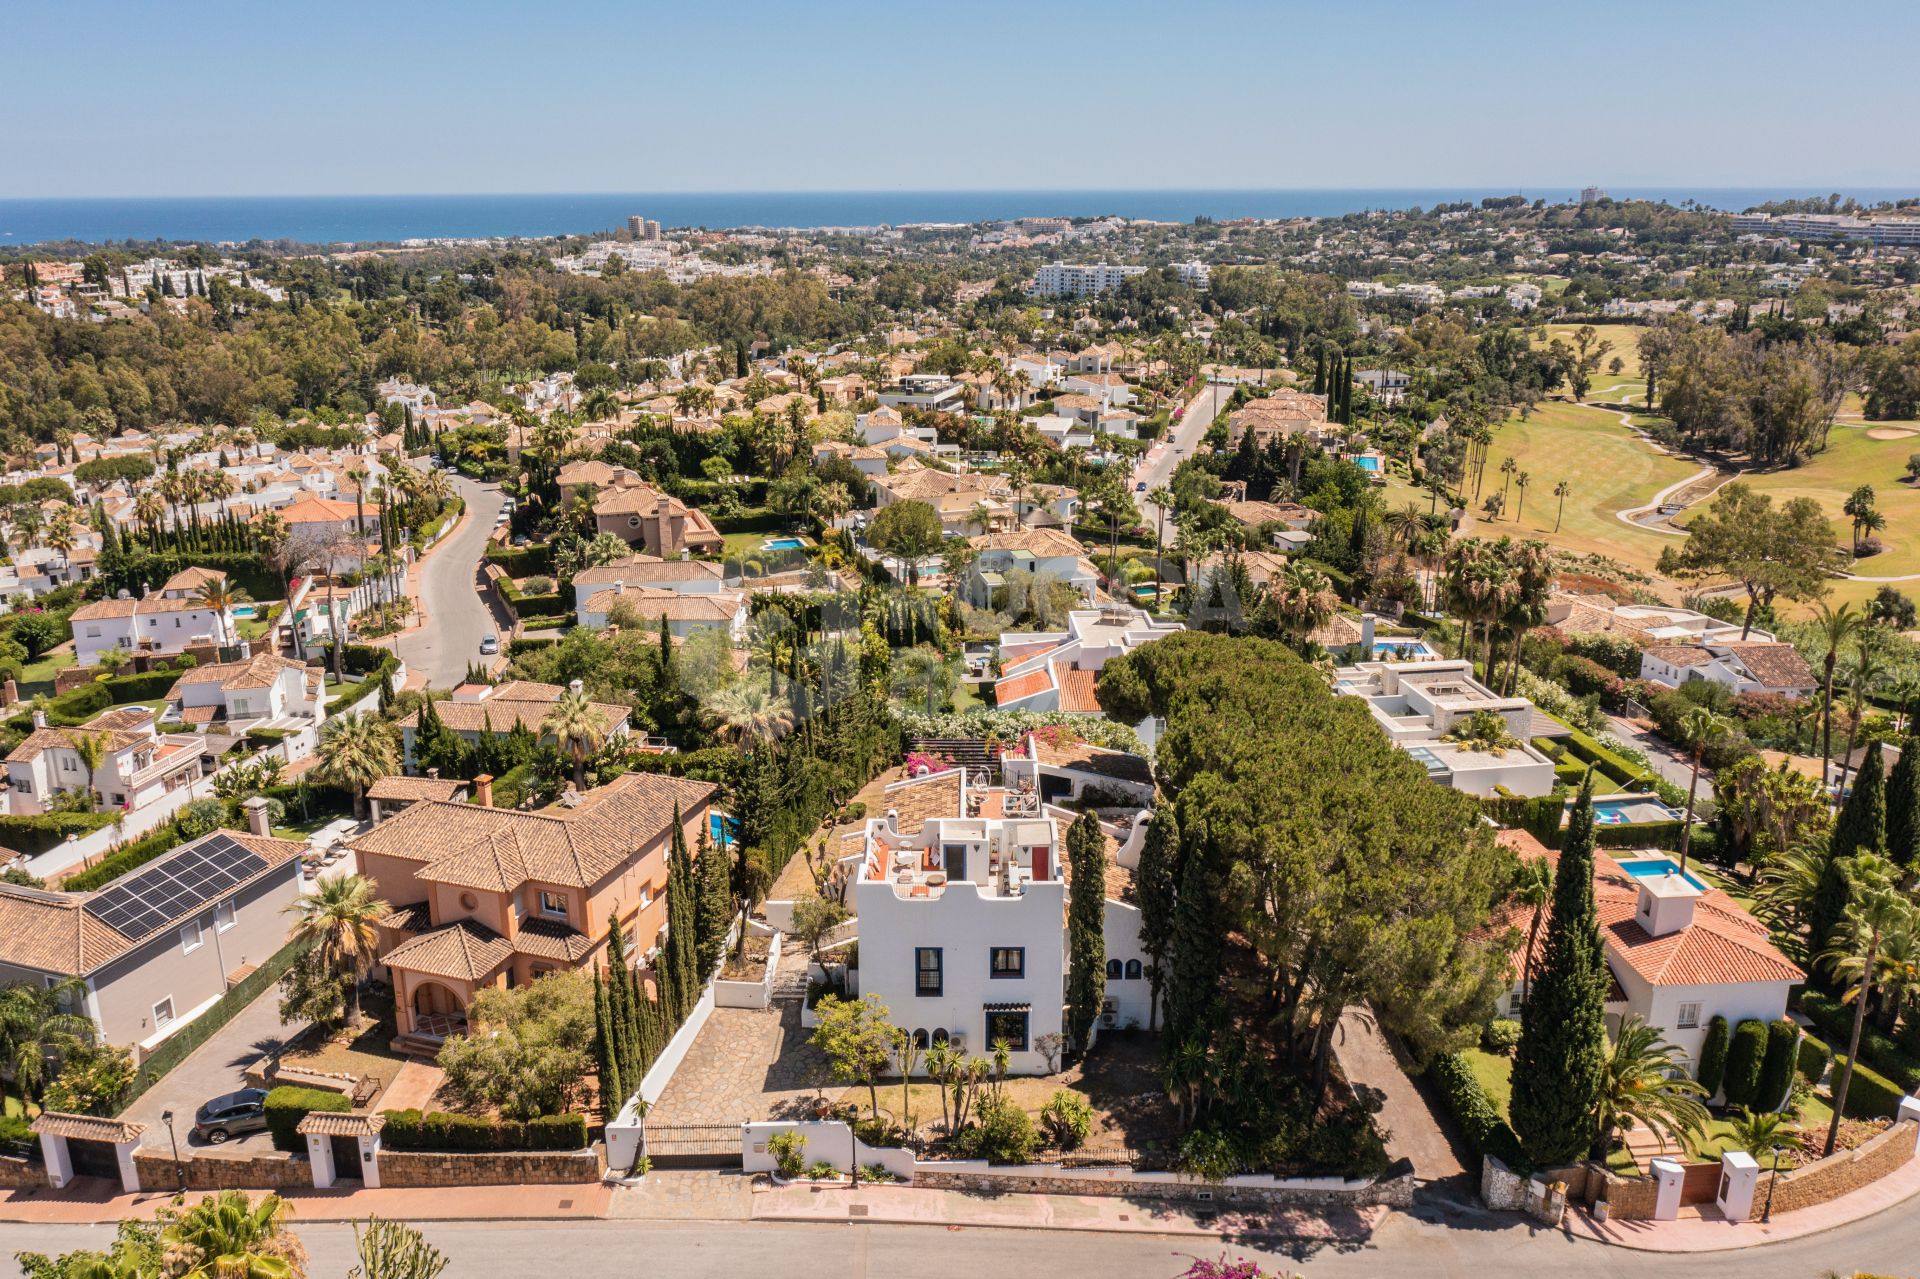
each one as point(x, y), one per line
point(1156, 465)
point(457, 616)
point(1420, 1246)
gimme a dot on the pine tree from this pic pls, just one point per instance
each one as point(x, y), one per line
point(1086, 928)
point(1903, 805)
point(1562, 1052)
point(714, 912)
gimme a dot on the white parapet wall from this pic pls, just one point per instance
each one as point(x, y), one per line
point(751, 994)
point(827, 1141)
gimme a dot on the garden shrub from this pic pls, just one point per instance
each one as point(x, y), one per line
point(1500, 1036)
point(198, 817)
point(1585, 677)
point(788, 1149)
point(1713, 1055)
point(42, 831)
point(1870, 1095)
point(1835, 1022)
point(1776, 1068)
point(1813, 1059)
point(1068, 1118)
point(1003, 1135)
point(1486, 1131)
point(1616, 653)
point(288, 1105)
point(1745, 1056)
point(440, 1130)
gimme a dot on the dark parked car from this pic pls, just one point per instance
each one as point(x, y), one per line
point(232, 1115)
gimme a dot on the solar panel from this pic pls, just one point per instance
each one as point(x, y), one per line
point(149, 900)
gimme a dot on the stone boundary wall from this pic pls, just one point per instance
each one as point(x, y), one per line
point(1395, 1190)
point(1840, 1173)
point(21, 1174)
point(271, 1171)
point(413, 1168)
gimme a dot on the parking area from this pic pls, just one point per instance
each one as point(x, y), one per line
point(215, 1067)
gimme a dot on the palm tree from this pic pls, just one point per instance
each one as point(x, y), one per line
point(923, 673)
point(745, 714)
point(38, 1024)
point(1508, 467)
point(1560, 491)
point(92, 750)
point(1699, 728)
point(1534, 891)
point(355, 752)
point(1759, 1134)
point(1162, 497)
point(338, 919)
point(1521, 480)
point(1836, 626)
point(220, 595)
point(1645, 1083)
point(1303, 603)
point(577, 728)
point(1790, 884)
point(1866, 673)
point(1878, 908)
point(232, 1237)
point(148, 508)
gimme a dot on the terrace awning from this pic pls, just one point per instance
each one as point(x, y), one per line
point(1008, 1008)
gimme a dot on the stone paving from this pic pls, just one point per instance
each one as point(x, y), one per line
point(686, 1195)
point(745, 1066)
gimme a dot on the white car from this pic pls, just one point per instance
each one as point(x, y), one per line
point(489, 645)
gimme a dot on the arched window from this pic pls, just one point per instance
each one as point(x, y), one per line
point(920, 1038)
point(1133, 970)
point(940, 1037)
point(1113, 970)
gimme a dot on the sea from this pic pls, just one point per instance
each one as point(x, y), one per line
point(373, 219)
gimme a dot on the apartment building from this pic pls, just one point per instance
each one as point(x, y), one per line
point(1080, 280)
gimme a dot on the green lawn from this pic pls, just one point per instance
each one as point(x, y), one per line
point(44, 669)
point(1495, 1074)
point(1609, 468)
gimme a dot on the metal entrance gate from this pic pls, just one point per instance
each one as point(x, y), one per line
point(692, 1145)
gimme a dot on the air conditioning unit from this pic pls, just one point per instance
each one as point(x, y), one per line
point(958, 1041)
point(1108, 1020)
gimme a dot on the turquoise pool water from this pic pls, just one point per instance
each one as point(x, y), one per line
point(1367, 463)
point(720, 826)
point(1653, 867)
point(1402, 649)
point(243, 610)
point(782, 544)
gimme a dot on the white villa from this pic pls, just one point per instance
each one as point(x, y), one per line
point(140, 764)
point(1420, 704)
point(1055, 670)
point(962, 894)
point(1679, 952)
point(260, 689)
point(164, 621)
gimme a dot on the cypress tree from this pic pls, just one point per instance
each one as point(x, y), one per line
point(1860, 827)
point(715, 908)
point(1196, 953)
point(1086, 928)
point(679, 957)
point(1154, 880)
point(605, 1051)
point(1563, 1034)
point(1903, 804)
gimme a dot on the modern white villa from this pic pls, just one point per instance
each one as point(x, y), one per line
point(962, 892)
point(1427, 709)
point(138, 764)
point(1680, 952)
point(1055, 670)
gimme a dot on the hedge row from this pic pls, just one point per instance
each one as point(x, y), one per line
point(288, 1105)
point(1485, 1130)
point(1835, 1022)
point(439, 1131)
point(42, 831)
point(1583, 747)
point(534, 559)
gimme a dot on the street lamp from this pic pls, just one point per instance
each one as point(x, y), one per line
point(1766, 1214)
point(179, 1169)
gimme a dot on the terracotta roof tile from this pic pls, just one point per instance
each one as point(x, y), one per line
point(464, 950)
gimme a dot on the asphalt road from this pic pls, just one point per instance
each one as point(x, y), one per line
point(1157, 464)
point(1673, 765)
point(1406, 1247)
point(457, 616)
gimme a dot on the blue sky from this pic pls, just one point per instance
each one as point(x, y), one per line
point(215, 97)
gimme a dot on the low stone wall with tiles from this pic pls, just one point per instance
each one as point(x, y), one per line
point(267, 1171)
point(21, 1174)
point(1394, 1189)
point(1841, 1173)
point(1628, 1198)
point(512, 1168)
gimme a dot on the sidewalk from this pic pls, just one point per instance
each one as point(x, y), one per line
point(1705, 1230)
point(440, 1203)
point(909, 1205)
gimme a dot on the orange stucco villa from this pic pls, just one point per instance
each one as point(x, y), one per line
point(485, 896)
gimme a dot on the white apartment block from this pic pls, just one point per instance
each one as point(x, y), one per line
point(1897, 232)
point(1080, 280)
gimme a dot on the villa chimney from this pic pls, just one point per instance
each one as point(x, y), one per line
point(1666, 902)
point(246, 649)
point(483, 790)
point(258, 821)
point(575, 686)
point(619, 588)
point(433, 774)
point(893, 821)
point(39, 718)
point(1366, 634)
point(9, 693)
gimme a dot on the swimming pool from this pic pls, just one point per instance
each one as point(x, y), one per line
point(1367, 462)
point(721, 826)
point(782, 544)
point(1655, 867)
point(1628, 810)
point(242, 610)
point(1402, 650)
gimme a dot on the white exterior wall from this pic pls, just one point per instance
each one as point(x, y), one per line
point(966, 925)
point(1129, 996)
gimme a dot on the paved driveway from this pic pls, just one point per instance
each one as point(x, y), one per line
point(457, 616)
point(1413, 1132)
point(213, 1068)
